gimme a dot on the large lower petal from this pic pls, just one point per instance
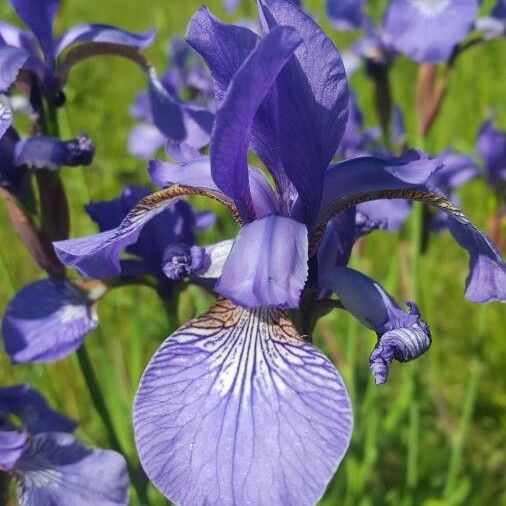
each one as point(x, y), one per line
point(105, 34)
point(33, 410)
point(428, 31)
point(234, 118)
point(236, 409)
point(47, 320)
point(57, 469)
point(268, 264)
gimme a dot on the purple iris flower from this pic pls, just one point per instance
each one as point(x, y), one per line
point(491, 146)
point(39, 52)
point(237, 407)
point(186, 79)
point(49, 319)
point(494, 25)
point(48, 464)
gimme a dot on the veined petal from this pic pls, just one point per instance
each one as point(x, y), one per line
point(401, 336)
point(39, 16)
point(57, 469)
point(12, 61)
point(104, 33)
point(276, 273)
point(486, 280)
point(345, 14)
point(47, 320)
point(197, 173)
point(234, 118)
point(235, 408)
point(145, 140)
point(33, 410)
point(428, 31)
point(312, 101)
point(49, 152)
point(12, 446)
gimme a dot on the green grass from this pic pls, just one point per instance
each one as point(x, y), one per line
point(434, 435)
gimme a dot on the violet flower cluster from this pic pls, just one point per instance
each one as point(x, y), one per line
point(237, 406)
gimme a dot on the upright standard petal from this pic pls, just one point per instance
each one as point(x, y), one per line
point(267, 265)
point(12, 446)
point(428, 31)
point(39, 16)
point(345, 14)
point(236, 409)
point(33, 410)
point(224, 47)
point(57, 469)
point(47, 320)
point(312, 101)
point(486, 280)
point(12, 61)
point(104, 33)
point(234, 118)
point(401, 336)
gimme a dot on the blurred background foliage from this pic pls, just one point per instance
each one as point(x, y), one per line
point(436, 433)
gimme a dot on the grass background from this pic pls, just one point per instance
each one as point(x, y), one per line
point(435, 434)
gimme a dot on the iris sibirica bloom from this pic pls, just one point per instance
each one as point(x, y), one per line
point(237, 406)
point(491, 146)
point(49, 319)
point(186, 78)
point(48, 464)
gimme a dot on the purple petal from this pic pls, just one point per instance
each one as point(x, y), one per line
point(104, 33)
point(312, 101)
point(234, 118)
point(486, 280)
point(197, 174)
point(98, 256)
point(368, 174)
point(49, 152)
point(230, 5)
point(57, 469)
point(12, 446)
point(178, 122)
point(39, 16)
point(491, 146)
point(33, 410)
point(145, 140)
point(47, 320)
point(215, 257)
point(499, 10)
point(491, 27)
point(345, 14)
point(181, 151)
point(276, 273)
point(457, 170)
point(235, 408)
point(11, 61)
point(429, 31)
point(224, 47)
point(401, 336)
